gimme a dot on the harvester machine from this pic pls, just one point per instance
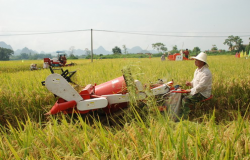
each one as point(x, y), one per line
point(110, 97)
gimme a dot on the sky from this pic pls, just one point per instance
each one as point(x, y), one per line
point(52, 25)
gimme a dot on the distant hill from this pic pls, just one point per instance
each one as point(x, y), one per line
point(25, 50)
point(135, 49)
point(98, 51)
point(145, 51)
point(4, 45)
point(17, 52)
point(79, 52)
point(101, 50)
point(138, 49)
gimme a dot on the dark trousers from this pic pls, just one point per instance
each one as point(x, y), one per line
point(189, 102)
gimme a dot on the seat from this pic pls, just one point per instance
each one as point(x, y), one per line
point(207, 98)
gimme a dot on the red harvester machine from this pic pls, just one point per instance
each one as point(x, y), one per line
point(110, 96)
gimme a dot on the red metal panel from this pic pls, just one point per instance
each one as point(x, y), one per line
point(114, 86)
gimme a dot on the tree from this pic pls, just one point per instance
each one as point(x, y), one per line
point(71, 53)
point(164, 49)
point(87, 52)
point(229, 42)
point(196, 50)
point(5, 54)
point(234, 42)
point(71, 50)
point(72, 56)
point(101, 56)
point(247, 49)
point(125, 49)
point(214, 47)
point(159, 47)
point(238, 43)
point(175, 49)
point(116, 50)
point(24, 56)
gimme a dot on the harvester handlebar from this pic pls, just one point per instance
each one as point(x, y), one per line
point(180, 91)
point(65, 74)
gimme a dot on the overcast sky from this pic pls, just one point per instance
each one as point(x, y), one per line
point(185, 23)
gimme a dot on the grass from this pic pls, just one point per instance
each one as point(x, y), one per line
point(218, 129)
point(156, 138)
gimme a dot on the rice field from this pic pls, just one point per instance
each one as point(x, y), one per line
point(218, 129)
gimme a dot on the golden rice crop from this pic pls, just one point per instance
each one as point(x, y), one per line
point(30, 135)
point(23, 94)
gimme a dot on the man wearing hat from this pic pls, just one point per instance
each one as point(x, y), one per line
point(201, 84)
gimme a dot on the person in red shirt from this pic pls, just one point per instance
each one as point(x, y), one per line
point(64, 59)
point(186, 52)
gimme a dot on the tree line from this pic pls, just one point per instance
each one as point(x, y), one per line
point(30, 56)
point(5, 54)
point(234, 43)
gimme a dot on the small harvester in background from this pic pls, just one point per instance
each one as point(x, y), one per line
point(177, 57)
point(56, 62)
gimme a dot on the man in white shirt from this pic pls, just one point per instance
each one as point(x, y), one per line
point(201, 85)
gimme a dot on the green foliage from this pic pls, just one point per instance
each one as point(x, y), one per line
point(234, 43)
point(174, 50)
point(229, 42)
point(81, 56)
point(247, 49)
point(196, 50)
point(30, 56)
point(72, 56)
point(159, 47)
point(113, 56)
point(5, 54)
point(157, 55)
point(24, 56)
point(116, 50)
point(125, 49)
point(214, 48)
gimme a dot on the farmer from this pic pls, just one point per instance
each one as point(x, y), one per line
point(201, 85)
point(64, 60)
point(163, 57)
point(186, 52)
point(33, 67)
point(60, 59)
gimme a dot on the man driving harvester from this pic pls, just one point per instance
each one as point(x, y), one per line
point(201, 85)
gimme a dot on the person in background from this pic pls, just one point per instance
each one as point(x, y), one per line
point(181, 52)
point(163, 57)
point(201, 85)
point(186, 53)
point(64, 60)
point(60, 59)
point(33, 67)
